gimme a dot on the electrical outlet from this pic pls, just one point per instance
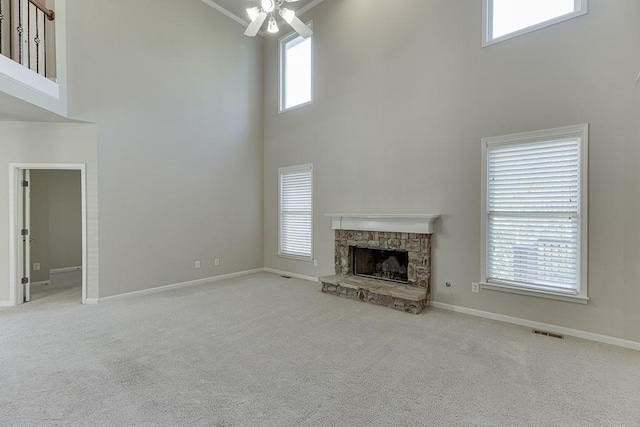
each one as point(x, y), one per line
point(475, 287)
point(36, 266)
point(315, 262)
point(197, 264)
point(217, 261)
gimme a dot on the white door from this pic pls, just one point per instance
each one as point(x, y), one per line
point(26, 235)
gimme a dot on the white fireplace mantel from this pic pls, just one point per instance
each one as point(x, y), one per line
point(420, 223)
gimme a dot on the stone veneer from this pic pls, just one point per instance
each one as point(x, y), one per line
point(418, 246)
point(392, 295)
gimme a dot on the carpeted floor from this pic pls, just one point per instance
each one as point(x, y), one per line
point(263, 350)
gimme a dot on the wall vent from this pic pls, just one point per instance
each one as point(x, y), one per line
point(548, 334)
point(286, 277)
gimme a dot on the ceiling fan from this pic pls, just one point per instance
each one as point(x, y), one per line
point(268, 9)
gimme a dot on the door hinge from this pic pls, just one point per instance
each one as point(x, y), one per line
point(24, 232)
point(24, 183)
point(25, 280)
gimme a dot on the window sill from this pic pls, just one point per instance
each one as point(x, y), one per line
point(488, 42)
point(296, 257)
point(295, 107)
point(578, 299)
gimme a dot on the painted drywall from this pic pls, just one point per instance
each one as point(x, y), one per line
point(175, 90)
point(403, 97)
point(39, 233)
point(25, 142)
point(65, 218)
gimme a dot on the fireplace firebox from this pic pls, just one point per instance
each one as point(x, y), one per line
point(385, 264)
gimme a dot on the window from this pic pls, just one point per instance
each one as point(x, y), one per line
point(505, 19)
point(535, 213)
point(296, 212)
point(295, 71)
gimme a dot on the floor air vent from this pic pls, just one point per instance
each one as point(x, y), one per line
point(548, 334)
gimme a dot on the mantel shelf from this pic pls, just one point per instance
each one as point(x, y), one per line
point(411, 223)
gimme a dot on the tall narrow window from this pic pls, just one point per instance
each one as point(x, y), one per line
point(504, 19)
point(534, 211)
point(296, 212)
point(295, 71)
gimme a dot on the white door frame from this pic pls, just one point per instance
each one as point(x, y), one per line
point(15, 212)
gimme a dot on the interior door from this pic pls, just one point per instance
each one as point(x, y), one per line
point(26, 238)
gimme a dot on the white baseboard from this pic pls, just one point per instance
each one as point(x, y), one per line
point(6, 304)
point(44, 282)
point(286, 273)
point(91, 301)
point(605, 339)
point(64, 269)
point(177, 285)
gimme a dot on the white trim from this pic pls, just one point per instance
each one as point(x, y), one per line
point(92, 301)
point(281, 77)
point(421, 223)
point(308, 7)
point(294, 275)
point(605, 339)
point(577, 131)
point(226, 12)
point(23, 76)
point(4, 304)
point(581, 8)
point(44, 282)
point(14, 259)
point(64, 269)
point(190, 283)
point(535, 293)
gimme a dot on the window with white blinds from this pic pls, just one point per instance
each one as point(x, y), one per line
point(296, 211)
point(535, 212)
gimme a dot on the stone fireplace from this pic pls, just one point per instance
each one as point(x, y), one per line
point(383, 260)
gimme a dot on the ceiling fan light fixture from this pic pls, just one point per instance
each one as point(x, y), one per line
point(268, 5)
point(253, 13)
point(287, 14)
point(273, 25)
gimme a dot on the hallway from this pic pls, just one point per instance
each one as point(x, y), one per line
point(65, 289)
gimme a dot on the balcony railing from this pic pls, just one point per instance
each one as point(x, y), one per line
point(27, 34)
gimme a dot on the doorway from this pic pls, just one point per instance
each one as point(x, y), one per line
point(49, 233)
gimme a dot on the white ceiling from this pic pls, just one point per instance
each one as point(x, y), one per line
point(236, 9)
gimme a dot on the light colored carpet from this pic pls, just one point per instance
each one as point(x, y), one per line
point(269, 351)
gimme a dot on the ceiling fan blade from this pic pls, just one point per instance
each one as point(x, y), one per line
point(254, 27)
point(300, 27)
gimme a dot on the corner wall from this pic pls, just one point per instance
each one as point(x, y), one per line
point(175, 89)
point(396, 124)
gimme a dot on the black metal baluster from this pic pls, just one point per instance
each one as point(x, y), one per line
point(1, 19)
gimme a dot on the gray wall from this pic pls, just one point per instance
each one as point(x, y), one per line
point(39, 192)
point(65, 219)
point(56, 221)
point(401, 105)
point(175, 89)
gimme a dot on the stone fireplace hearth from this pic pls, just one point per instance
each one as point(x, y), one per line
point(377, 262)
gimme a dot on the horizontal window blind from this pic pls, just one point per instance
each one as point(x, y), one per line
point(296, 211)
point(533, 204)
